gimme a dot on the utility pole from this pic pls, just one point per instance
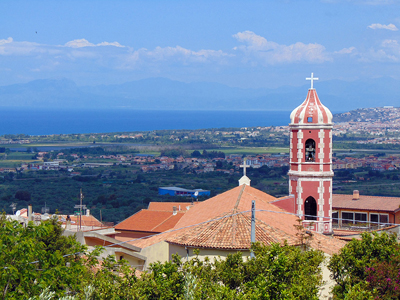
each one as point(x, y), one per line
point(253, 226)
point(80, 206)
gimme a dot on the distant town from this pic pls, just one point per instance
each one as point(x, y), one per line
point(168, 149)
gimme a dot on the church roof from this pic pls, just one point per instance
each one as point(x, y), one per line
point(311, 111)
point(231, 231)
point(225, 219)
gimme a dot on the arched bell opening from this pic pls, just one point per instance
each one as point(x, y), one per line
point(310, 209)
point(310, 150)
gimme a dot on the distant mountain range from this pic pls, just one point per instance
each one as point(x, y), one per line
point(166, 94)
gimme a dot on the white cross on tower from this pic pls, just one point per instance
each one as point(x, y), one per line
point(312, 80)
point(244, 166)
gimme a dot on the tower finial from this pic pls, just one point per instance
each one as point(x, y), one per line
point(312, 80)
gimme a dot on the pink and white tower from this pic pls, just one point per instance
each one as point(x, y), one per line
point(310, 174)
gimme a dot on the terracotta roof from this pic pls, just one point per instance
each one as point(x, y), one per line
point(376, 203)
point(150, 221)
point(168, 206)
point(86, 220)
point(231, 232)
point(275, 223)
point(234, 199)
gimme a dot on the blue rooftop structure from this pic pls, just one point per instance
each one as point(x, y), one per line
point(177, 191)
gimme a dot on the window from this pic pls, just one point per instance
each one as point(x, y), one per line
point(310, 208)
point(379, 218)
point(335, 217)
point(310, 150)
point(360, 219)
point(347, 218)
point(309, 119)
point(374, 218)
point(383, 219)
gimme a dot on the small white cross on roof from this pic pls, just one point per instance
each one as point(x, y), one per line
point(244, 166)
point(312, 80)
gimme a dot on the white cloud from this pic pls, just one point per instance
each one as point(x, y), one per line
point(349, 50)
point(381, 26)
point(389, 51)
point(257, 48)
point(178, 54)
point(80, 43)
point(116, 44)
point(10, 47)
point(7, 41)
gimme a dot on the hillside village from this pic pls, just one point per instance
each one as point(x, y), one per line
point(222, 225)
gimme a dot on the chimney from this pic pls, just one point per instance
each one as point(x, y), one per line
point(356, 195)
point(174, 211)
point(30, 212)
point(88, 212)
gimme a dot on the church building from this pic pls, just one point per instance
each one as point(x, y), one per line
point(221, 225)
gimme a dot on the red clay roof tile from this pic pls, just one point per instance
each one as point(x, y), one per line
point(376, 203)
point(150, 221)
point(273, 223)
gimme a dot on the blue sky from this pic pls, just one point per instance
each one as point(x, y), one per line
point(248, 44)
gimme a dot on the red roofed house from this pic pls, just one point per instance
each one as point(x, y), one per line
point(159, 217)
point(357, 210)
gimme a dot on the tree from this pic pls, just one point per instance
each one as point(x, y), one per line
point(23, 195)
point(358, 267)
point(196, 153)
point(276, 272)
point(33, 258)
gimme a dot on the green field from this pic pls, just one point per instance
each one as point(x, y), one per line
point(251, 150)
point(14, 159)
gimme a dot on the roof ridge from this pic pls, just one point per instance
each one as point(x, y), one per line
point(239, 197)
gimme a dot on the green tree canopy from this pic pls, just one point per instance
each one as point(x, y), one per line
point(36, 257)
point(367, 267)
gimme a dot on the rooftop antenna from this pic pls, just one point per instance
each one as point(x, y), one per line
point(13, 206)
point(80, 206)
point(45, 209)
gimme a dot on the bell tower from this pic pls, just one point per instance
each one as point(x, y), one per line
point(310, 174)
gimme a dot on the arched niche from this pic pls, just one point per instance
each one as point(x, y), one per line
point(310, 209)
point(310, 150)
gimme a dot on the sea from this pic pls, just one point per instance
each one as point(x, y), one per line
point(47, 122)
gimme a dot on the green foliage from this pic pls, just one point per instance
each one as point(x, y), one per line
point(174, 153)
point(358, 268)
point(38, 262)
point(276, 272)
point(33, 258)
